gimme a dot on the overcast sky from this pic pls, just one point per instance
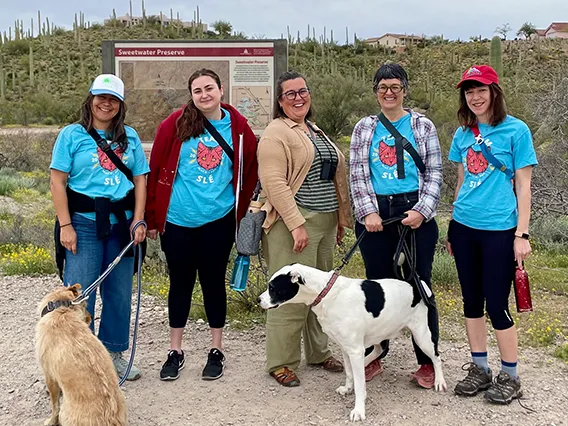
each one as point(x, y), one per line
point(269, 18)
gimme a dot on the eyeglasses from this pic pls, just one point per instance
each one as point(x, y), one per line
point(395, 88)
point(291, 94)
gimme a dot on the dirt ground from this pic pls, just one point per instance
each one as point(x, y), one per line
point(246, 395)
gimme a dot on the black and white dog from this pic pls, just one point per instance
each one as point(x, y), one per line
point(356, 314)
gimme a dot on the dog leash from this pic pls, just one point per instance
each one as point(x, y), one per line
point(348, 257)
point(85, 295)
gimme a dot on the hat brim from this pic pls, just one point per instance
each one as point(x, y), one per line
point(482, 80)
point(107, 92)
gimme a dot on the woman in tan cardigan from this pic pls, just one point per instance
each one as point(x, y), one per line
point(303, 175)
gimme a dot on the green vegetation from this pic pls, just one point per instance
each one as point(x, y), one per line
point(43, 80)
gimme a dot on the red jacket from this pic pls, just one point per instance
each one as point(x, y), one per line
point(164, 161)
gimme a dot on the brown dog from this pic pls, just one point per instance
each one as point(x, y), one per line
point(76, 363)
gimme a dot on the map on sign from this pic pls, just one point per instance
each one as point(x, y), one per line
point(254, 103)
point(154, 89)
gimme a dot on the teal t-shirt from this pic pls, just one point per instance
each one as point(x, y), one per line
point(384, 176)
point(486, 199)
point(90, 171)
point(203, 187)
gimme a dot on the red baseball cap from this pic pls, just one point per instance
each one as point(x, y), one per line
point(482, 73)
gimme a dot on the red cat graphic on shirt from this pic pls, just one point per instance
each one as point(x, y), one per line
point(105, 162)
point(476, 162)
point(209, 158)
point(387, 154)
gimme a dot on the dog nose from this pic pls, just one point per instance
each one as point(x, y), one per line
point(258, 300)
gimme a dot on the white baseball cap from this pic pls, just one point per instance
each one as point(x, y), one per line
point(108, 84)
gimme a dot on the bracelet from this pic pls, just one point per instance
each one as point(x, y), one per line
point(67, 224)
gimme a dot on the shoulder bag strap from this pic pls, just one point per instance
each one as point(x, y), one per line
point(487, 153)
point(402, 143)
point(217, 136)
point(104, 145)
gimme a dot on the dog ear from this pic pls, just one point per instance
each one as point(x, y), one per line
point(75, 289)
point(296, 278)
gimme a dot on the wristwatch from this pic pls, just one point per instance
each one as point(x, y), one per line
point(522, 235)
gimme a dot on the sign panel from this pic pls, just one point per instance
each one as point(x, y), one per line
point(156, 73)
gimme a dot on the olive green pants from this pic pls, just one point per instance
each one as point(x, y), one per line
point(286, 324)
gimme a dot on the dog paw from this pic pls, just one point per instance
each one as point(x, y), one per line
point(440, 385)
point(357, 415)
point(344, 390)
point(51, 422)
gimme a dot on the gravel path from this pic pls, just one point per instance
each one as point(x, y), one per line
point(248, 396)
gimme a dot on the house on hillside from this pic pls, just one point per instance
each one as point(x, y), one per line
point(394, 40)
point(554, 30)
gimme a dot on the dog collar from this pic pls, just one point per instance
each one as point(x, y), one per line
point(326, 289)
point(55, 304)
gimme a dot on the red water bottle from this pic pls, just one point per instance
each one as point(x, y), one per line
point(522, 290)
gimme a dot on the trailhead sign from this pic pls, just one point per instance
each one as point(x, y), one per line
point(155, 75)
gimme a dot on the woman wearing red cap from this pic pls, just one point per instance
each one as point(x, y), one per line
point(488, 233)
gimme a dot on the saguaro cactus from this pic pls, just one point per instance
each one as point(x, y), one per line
point(497, 55)
point(31, 60)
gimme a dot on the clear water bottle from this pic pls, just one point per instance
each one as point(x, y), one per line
point(240, 273)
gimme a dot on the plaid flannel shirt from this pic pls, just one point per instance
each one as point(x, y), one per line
point(429, 183)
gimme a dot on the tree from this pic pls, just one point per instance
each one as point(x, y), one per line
point(526, 30)
point(503, 30)
point(223, 28)
point(339, 101)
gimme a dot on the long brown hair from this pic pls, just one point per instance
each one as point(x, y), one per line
point(288, 75)
point(116, 131)
point(191, 123)
point(497, 109)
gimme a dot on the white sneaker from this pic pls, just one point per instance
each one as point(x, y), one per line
point(120, 364)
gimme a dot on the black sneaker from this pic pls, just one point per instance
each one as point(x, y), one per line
point(504, 389)
point(172, 366)
point(477, 379)
point(215, 365)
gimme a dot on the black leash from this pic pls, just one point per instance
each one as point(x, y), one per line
point(402, 247)
point(351, 251)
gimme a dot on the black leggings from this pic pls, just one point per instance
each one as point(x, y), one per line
point(378, 250)
point(486, 267)
point(205, 251)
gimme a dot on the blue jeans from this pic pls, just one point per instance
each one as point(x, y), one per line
point(92, 258)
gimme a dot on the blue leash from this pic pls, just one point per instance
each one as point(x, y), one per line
point(85, 295)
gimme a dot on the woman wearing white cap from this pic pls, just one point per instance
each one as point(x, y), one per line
point(96, 205)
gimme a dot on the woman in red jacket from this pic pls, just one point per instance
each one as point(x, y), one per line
point(199, 188)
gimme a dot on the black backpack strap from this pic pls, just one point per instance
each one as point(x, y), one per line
point(104, 145)
point(217, 136)
point(402, 143)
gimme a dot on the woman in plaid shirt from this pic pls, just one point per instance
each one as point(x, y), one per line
point(379, 193)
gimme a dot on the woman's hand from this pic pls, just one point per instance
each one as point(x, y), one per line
point(301, 239)
point(340, 234)
point(413, 219)
point(522, 249)
point(152, 234)
point(68, 238)
point(449, 247)
point(373, 223)
point(139, 234)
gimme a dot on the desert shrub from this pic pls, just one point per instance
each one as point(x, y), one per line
point(27, 150)
point(11, 181)
point(25, 260)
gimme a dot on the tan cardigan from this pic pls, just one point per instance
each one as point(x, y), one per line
point(285, 155)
